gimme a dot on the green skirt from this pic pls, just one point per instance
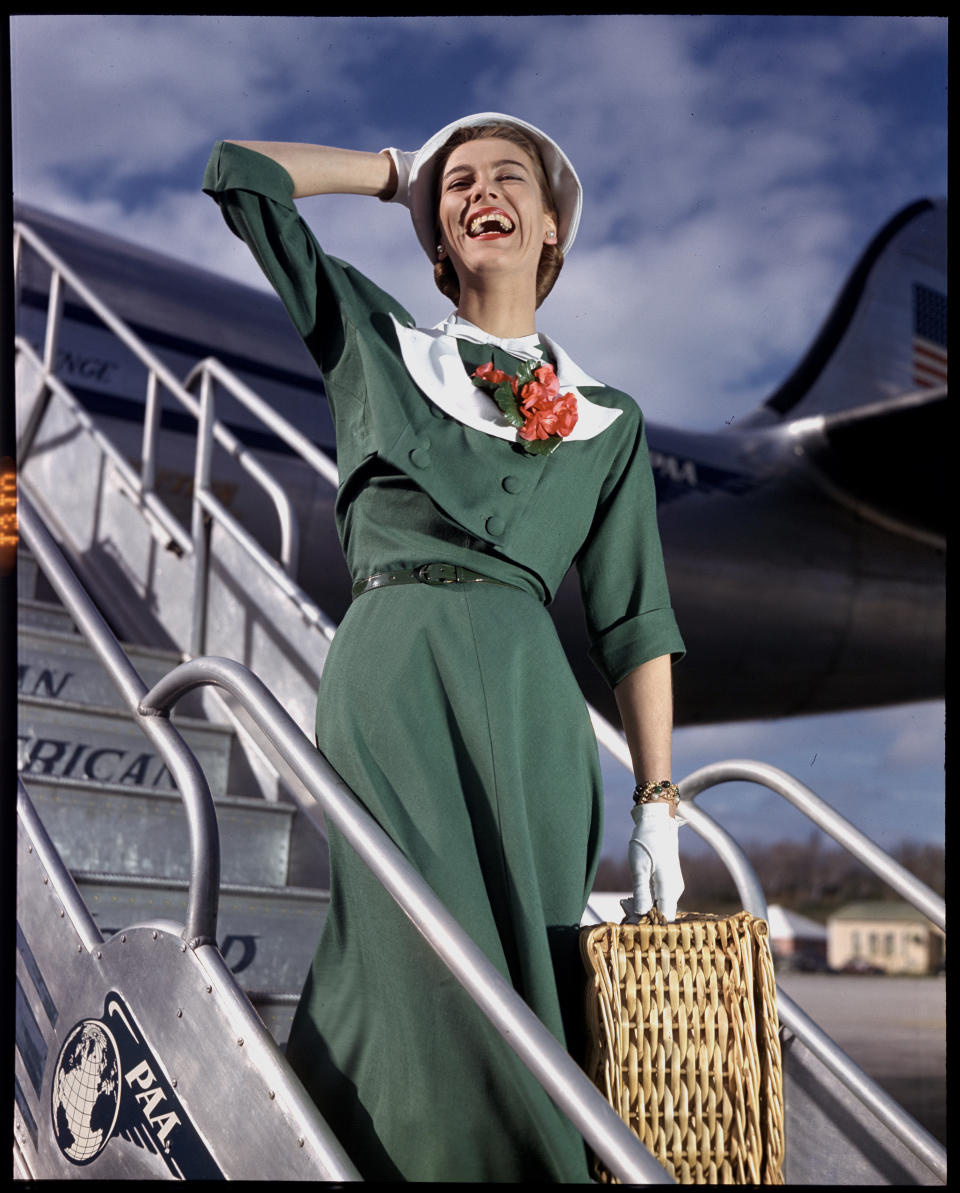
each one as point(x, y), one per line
point(453, 714)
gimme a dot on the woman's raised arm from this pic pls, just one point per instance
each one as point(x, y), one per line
point(327, 170)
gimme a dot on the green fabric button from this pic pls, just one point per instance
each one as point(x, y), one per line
point(420, 457)
point(495, 525)
point(512, 484)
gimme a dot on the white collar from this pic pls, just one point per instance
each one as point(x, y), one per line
point(522, 347)
point(433, 361)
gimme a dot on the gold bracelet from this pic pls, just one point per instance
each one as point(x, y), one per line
point(662, 789)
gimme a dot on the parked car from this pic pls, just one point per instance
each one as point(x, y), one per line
point(801, 963)
point(858, 965)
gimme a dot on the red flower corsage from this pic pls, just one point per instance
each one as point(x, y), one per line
point(530, 400)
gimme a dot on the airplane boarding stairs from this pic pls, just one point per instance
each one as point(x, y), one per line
point(113, 811)
point(118, 924)
point(139, 1052)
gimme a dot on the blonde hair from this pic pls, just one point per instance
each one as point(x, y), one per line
point(551, 257)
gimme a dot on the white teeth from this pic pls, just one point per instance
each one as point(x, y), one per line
point(477, 225)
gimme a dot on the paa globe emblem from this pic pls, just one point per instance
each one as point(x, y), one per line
point(86, 1091)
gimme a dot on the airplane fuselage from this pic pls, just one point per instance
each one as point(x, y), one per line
point(789, 600)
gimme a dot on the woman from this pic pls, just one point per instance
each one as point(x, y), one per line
point(446, 702)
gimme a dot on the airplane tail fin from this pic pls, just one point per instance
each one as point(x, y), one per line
point(886, 335)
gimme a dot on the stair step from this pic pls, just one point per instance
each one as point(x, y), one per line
point(63, 666)
point(120, 829)
point(267, 935)
point(43, 614)
point(62, 739)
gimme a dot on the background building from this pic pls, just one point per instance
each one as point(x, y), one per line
point(796, 941)
point(889, 936)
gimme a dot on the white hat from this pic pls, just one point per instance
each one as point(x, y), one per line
point(564, 183)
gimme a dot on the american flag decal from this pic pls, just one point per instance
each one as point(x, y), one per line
point(929, 337)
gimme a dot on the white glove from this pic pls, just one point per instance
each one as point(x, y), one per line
point(654, 854)
point(402, 160)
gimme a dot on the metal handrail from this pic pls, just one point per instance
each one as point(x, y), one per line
point(903, 1125)
point(915, 892)
point(309, 610)
point(562, 1078)
point(921, 896)
point(906, 1128)
point(209, 428)
point(205, 503)
point(280, 426)
point(540, 1051)
point(148, 500)
point(204, 836)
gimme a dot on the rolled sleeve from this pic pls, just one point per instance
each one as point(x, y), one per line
point(327, 299)
point(622, 578)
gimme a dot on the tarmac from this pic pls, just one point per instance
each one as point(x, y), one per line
point(893, 1027)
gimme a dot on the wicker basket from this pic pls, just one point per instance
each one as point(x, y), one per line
point(684, 1044)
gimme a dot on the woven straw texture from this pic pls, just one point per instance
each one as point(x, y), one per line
point(684, 1043)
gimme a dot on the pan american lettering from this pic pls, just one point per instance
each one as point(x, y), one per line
point(108, 1084)
point(65, 759)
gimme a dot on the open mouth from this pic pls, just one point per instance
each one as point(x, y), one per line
point(489, 223)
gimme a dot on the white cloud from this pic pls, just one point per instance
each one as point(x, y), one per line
point(734, 169)
point(915, 740)
point(138, 95)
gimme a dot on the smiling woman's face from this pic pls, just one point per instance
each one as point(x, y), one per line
point(491, 210)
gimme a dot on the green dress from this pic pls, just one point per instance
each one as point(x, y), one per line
point(452, 713)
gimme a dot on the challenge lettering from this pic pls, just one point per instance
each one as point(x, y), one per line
point(90, 368)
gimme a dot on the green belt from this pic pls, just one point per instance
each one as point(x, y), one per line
point(428, 573)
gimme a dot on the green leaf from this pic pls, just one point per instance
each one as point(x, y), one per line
point(505, 398)
point(542, 447)
point(525, 373)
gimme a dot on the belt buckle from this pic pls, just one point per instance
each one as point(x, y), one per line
point(437, 573)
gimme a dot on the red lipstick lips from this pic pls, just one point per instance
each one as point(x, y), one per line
point(489, 223)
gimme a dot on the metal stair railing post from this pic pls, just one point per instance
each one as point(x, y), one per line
point(200, 524)
point(151, 430)
point(206, 507)
point(903, 1125)
point(208, 429)
point(281, 427)
point(562, 1078)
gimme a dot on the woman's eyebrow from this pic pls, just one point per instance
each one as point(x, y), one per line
point(467, 169)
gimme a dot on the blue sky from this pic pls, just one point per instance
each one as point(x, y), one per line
point(734, 167)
